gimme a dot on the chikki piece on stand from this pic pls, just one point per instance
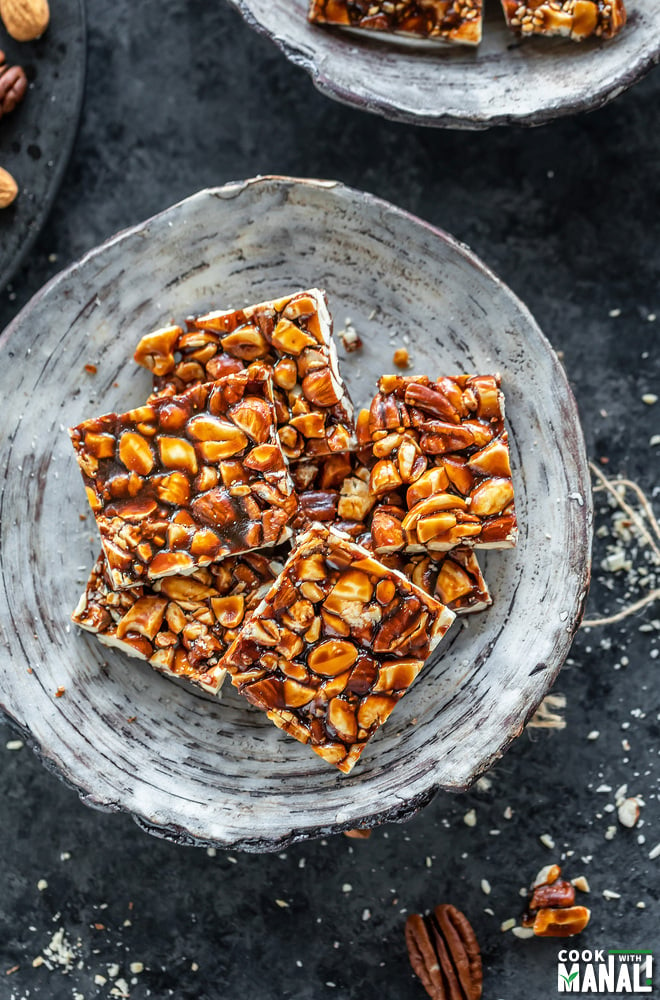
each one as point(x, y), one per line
point(337, 641)
point(335, 491)
point(293, 336)
point(182, 625)
point(441, 470)
point(440, 20)
point(186, 480)
point(576, 19)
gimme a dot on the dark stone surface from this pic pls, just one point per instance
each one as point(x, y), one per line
point(181, 95)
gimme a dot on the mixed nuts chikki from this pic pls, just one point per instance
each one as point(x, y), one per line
point(336, 642)
point(186, 480)
point(293, 337)
point(441, 467)
point(576, 19)
point(439, 20)
point(182, 625)
point(247, 439)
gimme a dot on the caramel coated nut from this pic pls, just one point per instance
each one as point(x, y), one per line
point(561, 923)
point(439, 20)
point(293, 338)
point(186, 480)
point(441, 467)
point(576, 19)
point(444, 954)
point(336, 642)
point(183, 624)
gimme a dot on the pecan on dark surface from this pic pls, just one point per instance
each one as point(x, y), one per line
point(444, 954)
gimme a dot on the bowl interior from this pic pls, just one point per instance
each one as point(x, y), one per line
point(504, 80)
point(220, 772)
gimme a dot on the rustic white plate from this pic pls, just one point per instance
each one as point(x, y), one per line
point(504, 81)
point(187, 767)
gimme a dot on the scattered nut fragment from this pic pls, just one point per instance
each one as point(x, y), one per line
point(401, 357)
point(628, 812)
point(8, 188)
point(350, 338)
point(444, 954)
point(25, 20)
point(551, 910)
point(13, 85)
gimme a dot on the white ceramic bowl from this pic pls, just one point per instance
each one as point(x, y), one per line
point(200, 771)
point(504, 81)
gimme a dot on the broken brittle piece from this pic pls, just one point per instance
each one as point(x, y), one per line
point(182, 624)
point(336, 642)
point(186, 480)
point(438, 20)
point(441, 464)
point(293, 337)
point(576, 19)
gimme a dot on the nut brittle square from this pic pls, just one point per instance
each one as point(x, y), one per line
point(439, 20)
point(336, 642)
point(575, 19)
point(441, 468)
point(184, 481)
point(293, 337)
point(182, 625)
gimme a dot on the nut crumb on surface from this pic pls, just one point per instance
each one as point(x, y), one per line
point(470, 818)
point(401, 358)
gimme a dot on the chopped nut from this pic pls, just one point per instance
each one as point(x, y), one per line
point(628, 812)
point(401, 357)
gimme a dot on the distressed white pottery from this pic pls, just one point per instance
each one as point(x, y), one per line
point(501, 82)
point(200, 771)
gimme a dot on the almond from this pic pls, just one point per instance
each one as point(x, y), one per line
point(8, 188)
point(25, 19)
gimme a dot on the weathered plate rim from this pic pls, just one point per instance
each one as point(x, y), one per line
point(445, 119)
point(403, 811)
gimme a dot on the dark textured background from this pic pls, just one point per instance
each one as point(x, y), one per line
point(181, 94)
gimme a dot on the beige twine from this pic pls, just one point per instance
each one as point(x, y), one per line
point(546, 716)
point(610, 486)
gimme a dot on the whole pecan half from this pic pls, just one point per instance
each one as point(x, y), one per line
point(444, 953)
point(13, 85)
